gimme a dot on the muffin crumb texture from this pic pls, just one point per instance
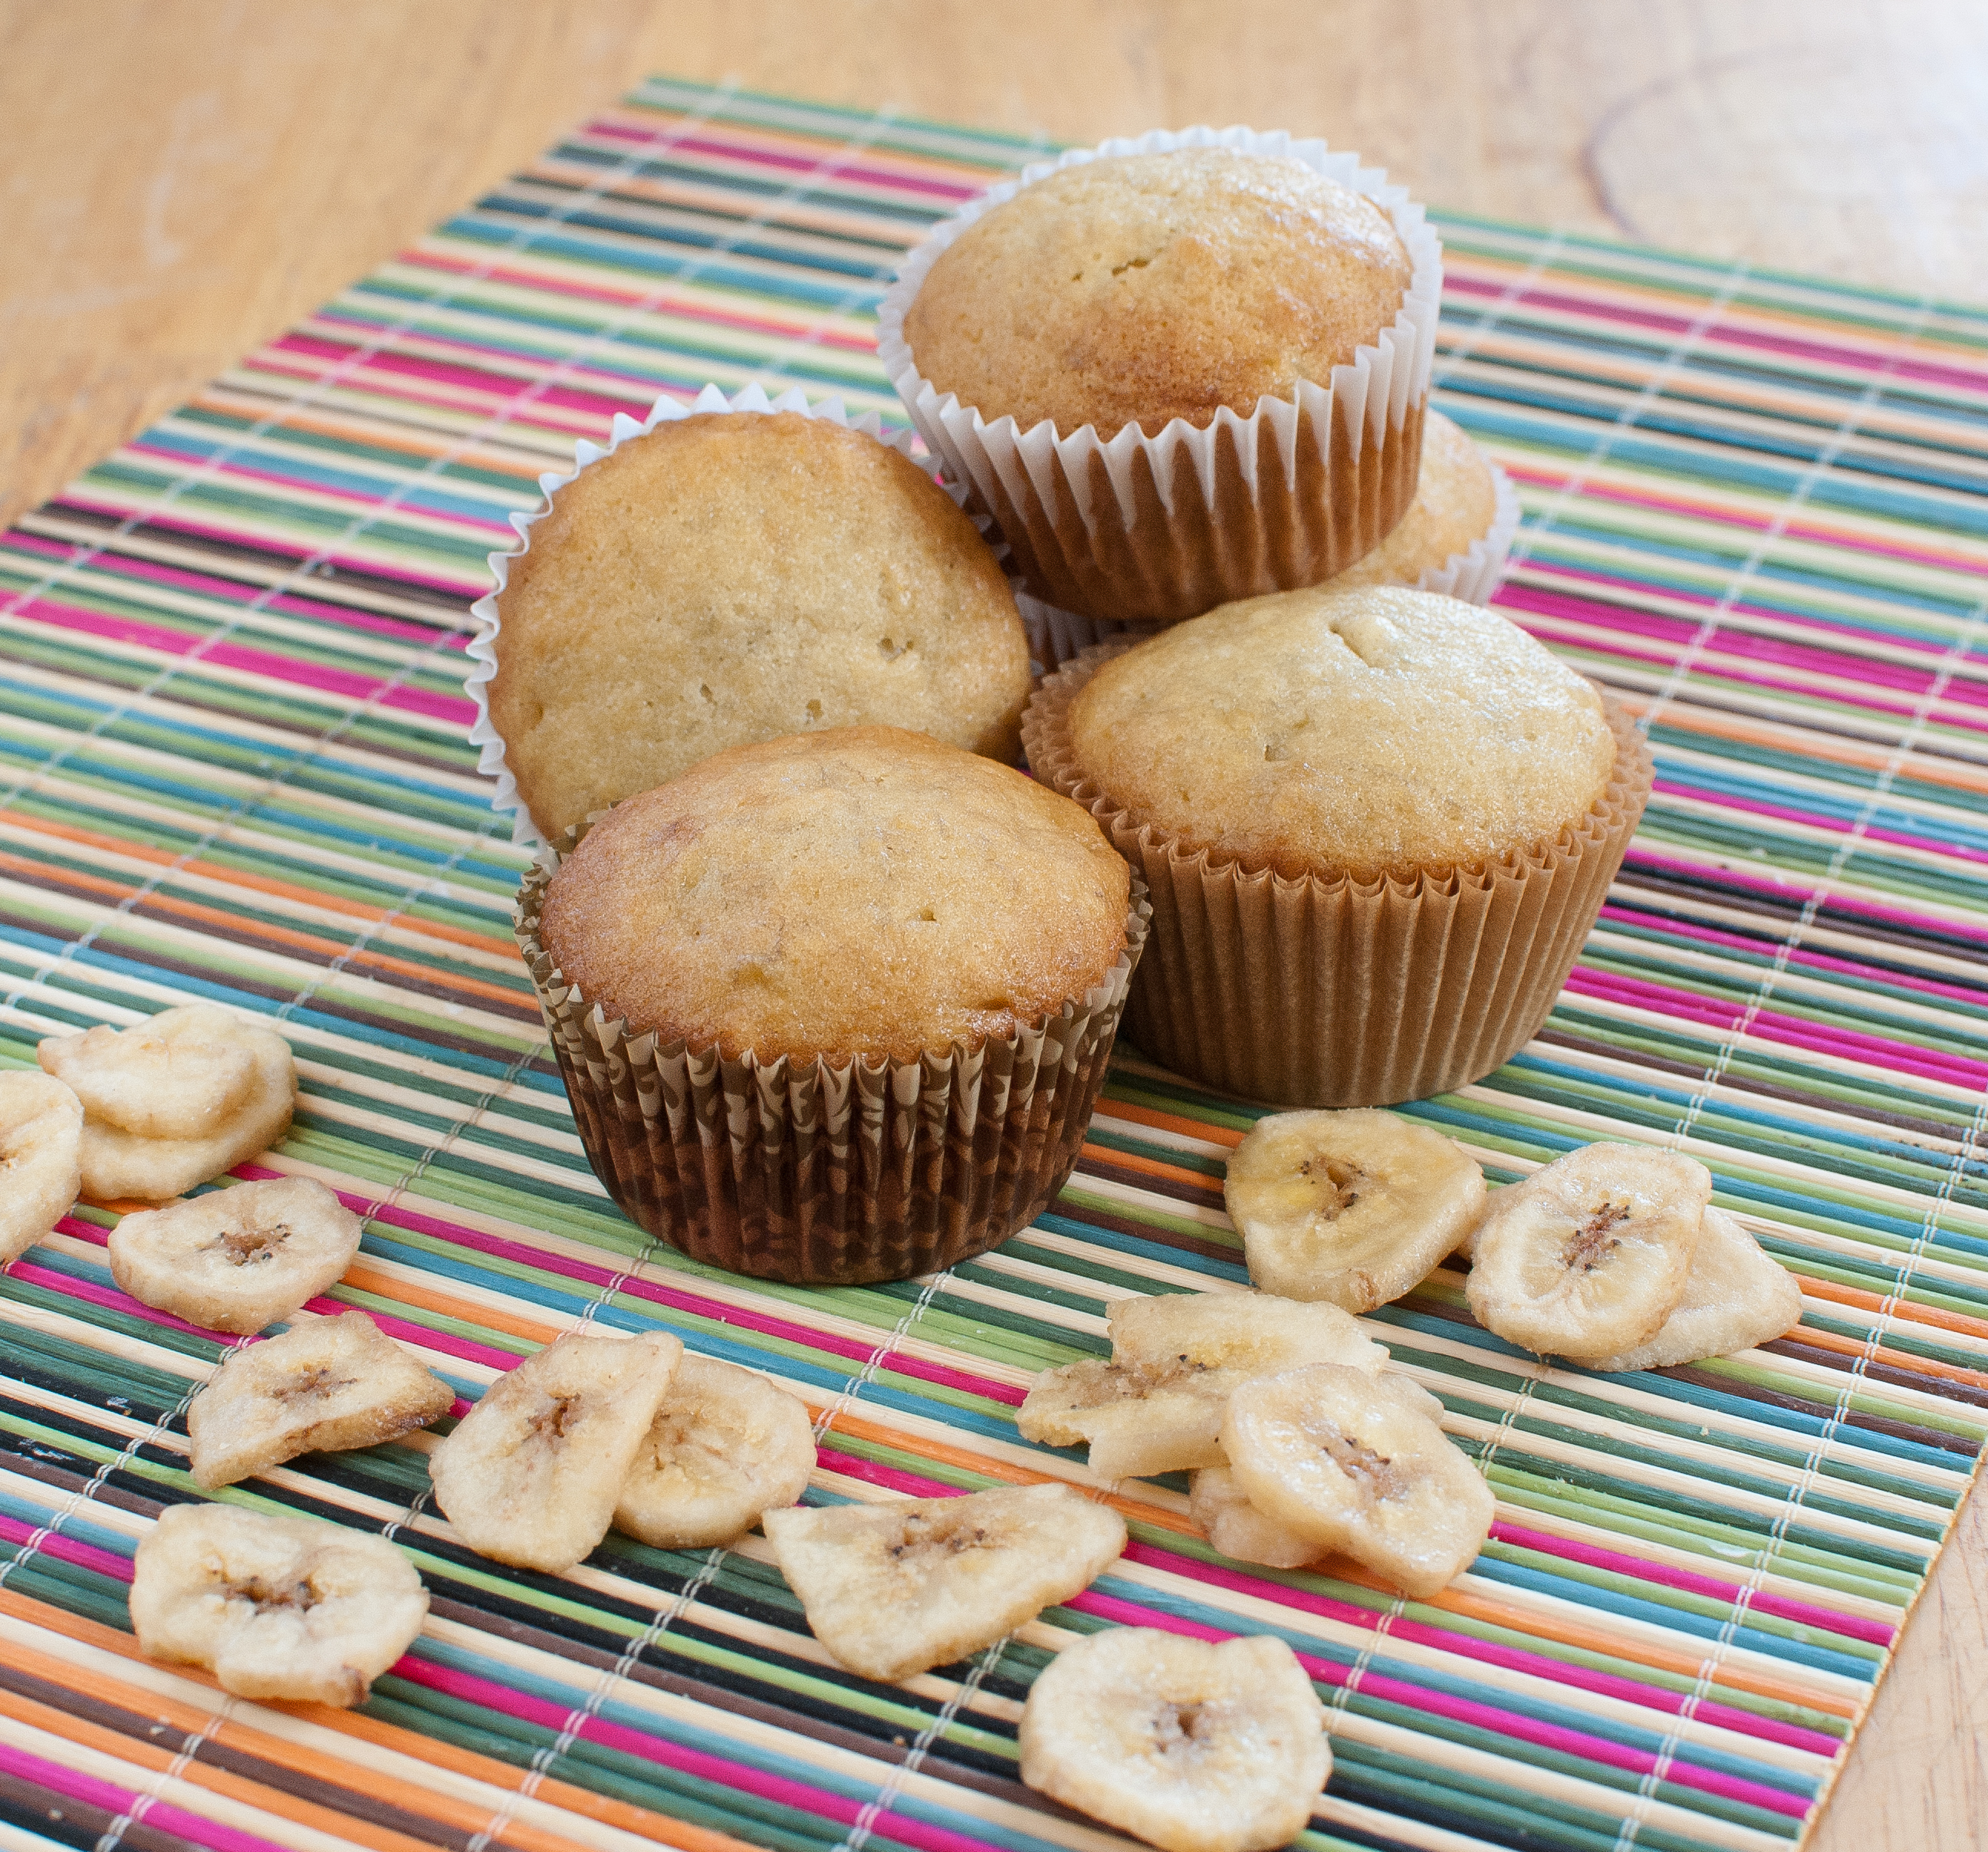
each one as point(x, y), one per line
point(733, 577)
point(862, 891)
point(1376, 731)
point(1149, 287)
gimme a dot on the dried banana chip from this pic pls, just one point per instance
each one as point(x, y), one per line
point(1156, 1406)
point(1354, 1461)
point(531, 1473)
point(725, 1446)
point(1194, 1746)
point(895, 1590)
point(173, 1102)
point(1217, 1503)
point(1357, 1207)
point(1588, 1257)
point(236, 1259)
point(1735, 1297)
point(274, 1607)
point(324, 1385)
point(41, 1138)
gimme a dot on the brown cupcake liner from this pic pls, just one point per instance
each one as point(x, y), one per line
point(820, 1172)
point(1123, 526)
point(1324, 990)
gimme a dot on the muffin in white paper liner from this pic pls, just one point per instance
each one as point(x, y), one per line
point(1147, 528)
point(1057, 636)
point(489, 623)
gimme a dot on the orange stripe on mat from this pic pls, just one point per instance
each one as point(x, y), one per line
point(1901, 1308)
point(620, 1813)
point(197, 1774)
point(1149, 1166)
point(274, 937)
point(261, 884)
point(1170, 1122)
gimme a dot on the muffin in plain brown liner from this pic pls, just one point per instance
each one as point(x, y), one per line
point(1323, 985)
point(860, 1160)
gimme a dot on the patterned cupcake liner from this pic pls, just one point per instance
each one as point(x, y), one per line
point(1324, 990)
point(1056, 636)
point(823, 1171)
point(1146, 529)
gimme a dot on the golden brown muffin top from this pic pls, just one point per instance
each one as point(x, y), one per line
point(1456, 499)
point(866, 890)
point(737, 576)
point(1379, 729)
point(1157, 286)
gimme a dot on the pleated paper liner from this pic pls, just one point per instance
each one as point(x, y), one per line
point(826, 1173)
point(1323, 990)
point(1057, 636)
point(1147, 528)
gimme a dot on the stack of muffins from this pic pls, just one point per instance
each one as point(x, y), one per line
point(833, 988)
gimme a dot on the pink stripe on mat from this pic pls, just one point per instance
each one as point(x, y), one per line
point(816, 1802)
point(160, 1816)
point(1462, 1710)
point(67, 1550)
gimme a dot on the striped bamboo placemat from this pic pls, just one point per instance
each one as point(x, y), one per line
point(235, 768)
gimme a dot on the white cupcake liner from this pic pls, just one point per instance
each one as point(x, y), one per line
point(1056, 635)
point(1148, 528)
point(483, 646)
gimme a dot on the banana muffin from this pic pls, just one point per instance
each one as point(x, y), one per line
point(1149, 287)
point(867, 891)
point(1376, 824)
point(1176, 372)
point(1378, 731)
point(835, 1006)
point(730, 577)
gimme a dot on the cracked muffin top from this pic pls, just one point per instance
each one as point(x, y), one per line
point(1149, 287)
point(737, 576)
point(1376, 731)
point(865, 891)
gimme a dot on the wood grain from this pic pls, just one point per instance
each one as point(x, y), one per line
point(179, 179)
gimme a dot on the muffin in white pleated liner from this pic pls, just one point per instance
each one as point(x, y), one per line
point(489, 623)
point(1144, 528)
point(1057, 636)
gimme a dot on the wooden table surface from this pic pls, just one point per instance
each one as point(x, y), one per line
point(179, 179)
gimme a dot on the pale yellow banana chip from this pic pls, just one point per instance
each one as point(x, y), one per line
point(532, 1473)
point(41, 1141)
point(236, 1259)
point(1193, 1746)
point(274, 1607)
point(895, 1589)
point(1354, 1463)
point(1588, 1257)
point(1355, 1207)
point(725, 1446)
point(1156, 1406)
point(1736, 1296)
point(326, 1385)
point(173, 1102)
point(1217, 1503)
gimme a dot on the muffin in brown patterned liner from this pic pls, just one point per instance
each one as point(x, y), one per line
point(1327, 991)
point(820, 1172)
point(1285, 493)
